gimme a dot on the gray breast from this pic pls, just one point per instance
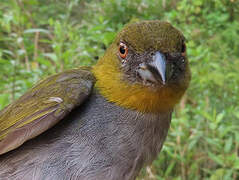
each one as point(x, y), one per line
point(97, 141)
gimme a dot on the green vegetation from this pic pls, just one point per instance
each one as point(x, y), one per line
point(39, 38)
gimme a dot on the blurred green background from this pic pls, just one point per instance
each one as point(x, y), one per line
point(40, 38)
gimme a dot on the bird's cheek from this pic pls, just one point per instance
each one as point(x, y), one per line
point(123, 62)
point(170, 70)
point(145, 74)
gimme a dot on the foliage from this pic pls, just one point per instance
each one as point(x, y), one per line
point(39, 38)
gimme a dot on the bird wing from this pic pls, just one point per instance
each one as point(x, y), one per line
point(43, 106)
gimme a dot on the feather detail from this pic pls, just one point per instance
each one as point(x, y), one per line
point(43, 106)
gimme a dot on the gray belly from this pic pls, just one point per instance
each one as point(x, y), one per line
point(97, 141)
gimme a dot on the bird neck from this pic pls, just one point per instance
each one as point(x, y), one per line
point(112, 86)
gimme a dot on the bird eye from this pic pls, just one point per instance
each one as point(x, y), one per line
point(123, 50)
point(183, 50)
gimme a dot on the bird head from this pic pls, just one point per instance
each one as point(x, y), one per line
point(145, 68)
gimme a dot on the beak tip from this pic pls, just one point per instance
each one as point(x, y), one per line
point(160, 64)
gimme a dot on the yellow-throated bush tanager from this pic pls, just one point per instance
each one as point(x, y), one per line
point(114, 117)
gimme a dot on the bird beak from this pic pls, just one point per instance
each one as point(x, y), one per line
point(155, 70)
point(159, 63)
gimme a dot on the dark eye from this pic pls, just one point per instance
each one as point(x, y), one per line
point(183, 49)
point(123, 50)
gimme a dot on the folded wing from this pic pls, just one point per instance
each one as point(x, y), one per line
point(43, 106)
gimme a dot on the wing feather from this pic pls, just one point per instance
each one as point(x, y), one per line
point(43, 106)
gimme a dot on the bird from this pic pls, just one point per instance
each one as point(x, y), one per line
point(104, 122)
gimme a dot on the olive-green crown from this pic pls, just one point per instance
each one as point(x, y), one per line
point(151, 35)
